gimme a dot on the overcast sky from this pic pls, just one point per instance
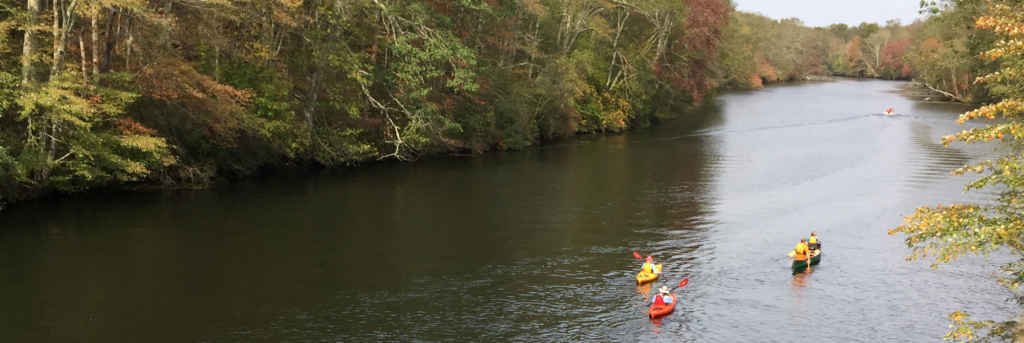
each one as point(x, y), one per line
point(826, 12)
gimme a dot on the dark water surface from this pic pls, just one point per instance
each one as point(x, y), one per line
point(528, 246)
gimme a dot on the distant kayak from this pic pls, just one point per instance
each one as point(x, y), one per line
point(662, 309)
point(648, 277)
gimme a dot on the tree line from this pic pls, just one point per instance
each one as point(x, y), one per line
point(173, 92)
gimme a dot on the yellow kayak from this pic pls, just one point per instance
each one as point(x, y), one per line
point(648, 277)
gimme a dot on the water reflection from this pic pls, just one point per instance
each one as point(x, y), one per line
point(525, 246)
point(800, 279)
point(644, 290)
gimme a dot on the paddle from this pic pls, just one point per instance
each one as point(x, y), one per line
point(681, 284)
point(809, 260)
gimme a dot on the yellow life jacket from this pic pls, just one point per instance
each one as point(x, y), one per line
point(648, 267)
point(813, 240)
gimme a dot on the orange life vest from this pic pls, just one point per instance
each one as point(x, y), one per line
point(801, 252)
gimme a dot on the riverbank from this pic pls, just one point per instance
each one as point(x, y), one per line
point(292, 166)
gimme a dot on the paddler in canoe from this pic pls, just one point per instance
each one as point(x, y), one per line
point(799, 255)
point(813, 245)
point(814, 248)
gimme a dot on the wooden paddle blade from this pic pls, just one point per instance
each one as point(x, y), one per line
point(685, 281)
point(637, 255)
point(792, 253)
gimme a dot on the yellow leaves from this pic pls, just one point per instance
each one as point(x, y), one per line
point(144, 143)
point(134, 168)
point(601, 26)
point(259, 52)
point(156, 147)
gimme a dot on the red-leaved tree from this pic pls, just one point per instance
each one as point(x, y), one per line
point(892, 59)
point(687, 64)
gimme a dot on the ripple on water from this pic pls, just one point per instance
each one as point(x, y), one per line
point(536, 246)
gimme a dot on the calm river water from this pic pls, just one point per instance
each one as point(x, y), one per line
point(529, 246)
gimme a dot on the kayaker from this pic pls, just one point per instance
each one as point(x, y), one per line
point(801, 250)
point(649, 266)
point(664, 294)
point(812, 243)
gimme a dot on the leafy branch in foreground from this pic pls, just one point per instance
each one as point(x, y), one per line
point(949, 232)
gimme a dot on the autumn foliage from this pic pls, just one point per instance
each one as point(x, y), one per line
point(185, 91)
point(946, 233)
point(224, 88)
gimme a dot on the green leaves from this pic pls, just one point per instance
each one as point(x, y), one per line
point(181, 91)
point(73, 142)
point(946, 233)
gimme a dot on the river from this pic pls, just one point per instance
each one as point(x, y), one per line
point(533, 245)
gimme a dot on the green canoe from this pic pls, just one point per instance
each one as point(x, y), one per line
point(799, 266)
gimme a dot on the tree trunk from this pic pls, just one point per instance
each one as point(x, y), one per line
point(167, 33)
point(956, 87)
point(48, 166)
point(314, 90)
point(216, 63)
point(56, 33)
point(60, 36)
point(108, 43)
point(620, 23)
point(85, 60)
point(128, 50)
point(96, 47)
point(29, 45)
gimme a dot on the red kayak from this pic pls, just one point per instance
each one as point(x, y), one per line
point(660, 308)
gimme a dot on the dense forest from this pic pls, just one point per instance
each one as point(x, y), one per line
point(178, 92)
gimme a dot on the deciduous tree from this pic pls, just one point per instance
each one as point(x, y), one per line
point(949, 232)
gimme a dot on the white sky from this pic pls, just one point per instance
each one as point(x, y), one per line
point(826, 12)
